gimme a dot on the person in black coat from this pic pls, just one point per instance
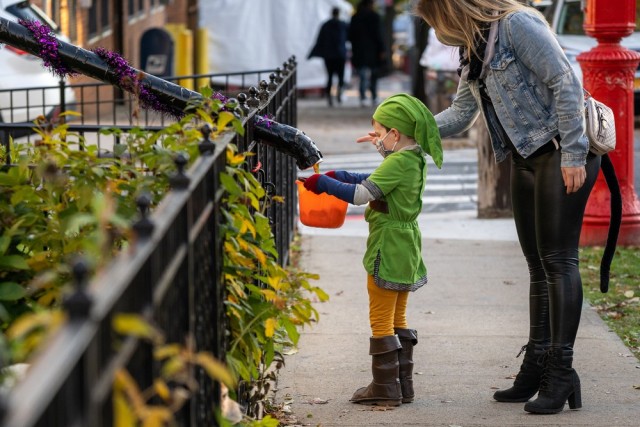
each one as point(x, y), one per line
point(331, 46)
point(367, 45)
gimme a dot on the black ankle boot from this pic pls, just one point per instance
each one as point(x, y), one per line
point(560, 383)
point(527, 381)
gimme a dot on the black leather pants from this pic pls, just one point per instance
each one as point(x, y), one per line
point(548, 222)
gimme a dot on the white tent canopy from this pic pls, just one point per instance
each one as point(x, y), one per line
point(249, 35)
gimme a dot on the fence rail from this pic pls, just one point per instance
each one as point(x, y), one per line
point(171, 274)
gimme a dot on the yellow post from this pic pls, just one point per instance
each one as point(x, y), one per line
point(183, 54)
point(201, 59)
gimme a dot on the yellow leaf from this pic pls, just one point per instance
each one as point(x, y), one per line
point(204, 116)
point(262, 258)
point(124, 382)
point(269, 295)
point(169, 350)
point(172, 367)
point(136, 326)
point(162, 390)
point(123, 415)
point(224, 118)
point(278, 199)
point(156, 416)
point(215, 369)
point(270, 327)
point(49, 297)
point(242, 243)
point(248, 226)
point(234, 159)
point(274, 282)
point(26, 323)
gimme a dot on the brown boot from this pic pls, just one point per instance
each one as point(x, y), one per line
point(408, 338)
point(384, 390)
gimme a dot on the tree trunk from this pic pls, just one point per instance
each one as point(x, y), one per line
point(494, 195)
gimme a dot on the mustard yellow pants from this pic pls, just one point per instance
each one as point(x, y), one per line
point(387, 309)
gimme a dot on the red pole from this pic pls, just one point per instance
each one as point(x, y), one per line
point(608, 71)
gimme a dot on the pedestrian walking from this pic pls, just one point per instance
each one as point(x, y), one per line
point(331, 46)
point(515, 75)
point(441, 77)
point(367, 49)
point(404, 130)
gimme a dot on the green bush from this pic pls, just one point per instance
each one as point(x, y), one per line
point(62, 199)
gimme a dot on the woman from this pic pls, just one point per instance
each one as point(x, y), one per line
point(515, 75)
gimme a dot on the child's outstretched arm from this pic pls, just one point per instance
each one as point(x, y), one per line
point(348, 177)
point(356, 194)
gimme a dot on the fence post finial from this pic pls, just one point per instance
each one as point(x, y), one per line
point(253, 101)
point(144, 226)
point(264, 91)
point(79, 303)
point(179, 180)
point(206, 147)
point(273, 85)
point(242, 100)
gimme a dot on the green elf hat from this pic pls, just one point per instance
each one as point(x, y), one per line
point(411, 117)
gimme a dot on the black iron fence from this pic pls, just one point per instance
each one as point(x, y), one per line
point(171, 273)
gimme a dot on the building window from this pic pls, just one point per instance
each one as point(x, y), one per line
point(99, 17)
point(136, 7)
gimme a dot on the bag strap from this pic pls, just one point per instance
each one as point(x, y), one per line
point(614, 225)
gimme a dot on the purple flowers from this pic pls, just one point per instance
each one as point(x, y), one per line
point(130, 80)
point(265, 119)
point(48, 47)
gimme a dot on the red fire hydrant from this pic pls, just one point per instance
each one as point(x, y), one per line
point(608, 71)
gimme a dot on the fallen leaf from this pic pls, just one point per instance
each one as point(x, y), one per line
point(629, 294)
point(637, 387)
point(418, 373)
point(339, 292)
point(317, 401)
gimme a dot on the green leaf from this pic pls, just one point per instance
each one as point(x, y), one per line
point(291, 329)
point(24, 194)
point(230, 185)
point(11, 291)
point(79, 221)
point(4, 244)
point(15, 262)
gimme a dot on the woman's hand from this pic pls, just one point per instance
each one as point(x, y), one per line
point(573, 177)
point(371, 137)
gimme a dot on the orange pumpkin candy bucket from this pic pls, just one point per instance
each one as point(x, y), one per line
point(320, 210)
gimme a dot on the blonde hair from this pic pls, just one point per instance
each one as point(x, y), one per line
point(460, 22)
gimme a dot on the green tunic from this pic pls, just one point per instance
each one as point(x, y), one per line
point(394, 246)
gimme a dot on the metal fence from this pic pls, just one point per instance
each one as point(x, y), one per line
point(171, 274)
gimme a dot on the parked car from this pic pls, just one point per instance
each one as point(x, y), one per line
point(566, 18)
point(26, 72)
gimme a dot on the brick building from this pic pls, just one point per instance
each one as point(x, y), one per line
point(117, 25)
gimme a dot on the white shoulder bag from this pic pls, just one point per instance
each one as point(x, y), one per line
point(600, 125)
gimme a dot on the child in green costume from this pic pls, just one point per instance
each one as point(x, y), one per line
point(404, 130)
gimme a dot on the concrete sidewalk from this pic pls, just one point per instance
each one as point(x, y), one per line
point(472, 319)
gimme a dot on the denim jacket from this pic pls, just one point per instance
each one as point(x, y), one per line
point(533, 89)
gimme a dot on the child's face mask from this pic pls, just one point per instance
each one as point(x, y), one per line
point(380, 146)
